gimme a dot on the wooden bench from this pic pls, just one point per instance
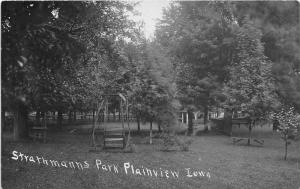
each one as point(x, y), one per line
point(238, 139)
point(114, 138)
point(38, 133)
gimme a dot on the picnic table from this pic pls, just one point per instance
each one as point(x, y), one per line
point(250, 123)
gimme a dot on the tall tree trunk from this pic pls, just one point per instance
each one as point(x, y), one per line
point(93, 115)
point(74, 116)
point(102, 118)
point(190, 122)
point(227, 126)
point(150, 132)
point(235, 113)
point(53, 116)
point(114, 115)
point(107, 115)
point(42, 118)
point(138, 122)
point(159, 127)
point(119, 113)
point(3, 118)
point(20, 122)
point(37, 117)
point(205, 120)
point(70, 116)
point(59, 119)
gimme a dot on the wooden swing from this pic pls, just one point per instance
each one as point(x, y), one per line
point(112, 137)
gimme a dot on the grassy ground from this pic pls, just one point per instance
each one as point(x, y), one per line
point(230, 166)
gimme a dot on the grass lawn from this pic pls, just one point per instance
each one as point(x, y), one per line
point(229, 166)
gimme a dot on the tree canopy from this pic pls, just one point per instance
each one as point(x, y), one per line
point(62, 56)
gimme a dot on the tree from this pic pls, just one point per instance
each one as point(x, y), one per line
point(279, 23)
point(152, 86)
point(198, 37)
point(47, 47)
point(24, 37)
point(250, 86)
point(289, 126)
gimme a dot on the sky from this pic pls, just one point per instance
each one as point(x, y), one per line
point(150, 11)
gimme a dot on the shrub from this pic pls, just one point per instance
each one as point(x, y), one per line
point(172, 141)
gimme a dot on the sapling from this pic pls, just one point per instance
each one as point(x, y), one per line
point(289, 126)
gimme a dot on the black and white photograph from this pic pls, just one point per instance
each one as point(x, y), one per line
point(156, 94)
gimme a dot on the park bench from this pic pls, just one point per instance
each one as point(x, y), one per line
point(114, 138)
point(38, 133)
point(248, 122)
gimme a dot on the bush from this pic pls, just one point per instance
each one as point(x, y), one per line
point(130, 148)
point(172, 142)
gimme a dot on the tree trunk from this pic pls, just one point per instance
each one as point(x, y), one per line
point(20, 126)
point(74, 116)
point(53, 116)
point(93, 115)
point(102, 118)
point(43, 119)
point(159, 127)
point(150, 132)
point(205, 120)
point(3, 118)
point(138, 123)
point(70, 116)
point(119, 113)
point(275, 124)
point(114, 115)
point(107, 114)
point(37, 117)
point(59, 119)
point(286, 146)
point(190, 122)
point(227, 126)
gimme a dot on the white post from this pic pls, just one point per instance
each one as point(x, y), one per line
point(187, 118)
point(182, 117)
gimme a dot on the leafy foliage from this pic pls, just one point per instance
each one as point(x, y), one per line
point(59, 43)
point(250, 85)
point(289, 123)
point(279, 24)
point(51, 48)
point(197, 37)
point(152, 87)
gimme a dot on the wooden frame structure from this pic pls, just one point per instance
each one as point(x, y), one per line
point(37, 132)
point(226, 126)
point(248, 122)
point(112, 138)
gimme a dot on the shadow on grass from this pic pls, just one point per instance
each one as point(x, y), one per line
point(290, 160)
point(246, 145)
point(208, 133)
